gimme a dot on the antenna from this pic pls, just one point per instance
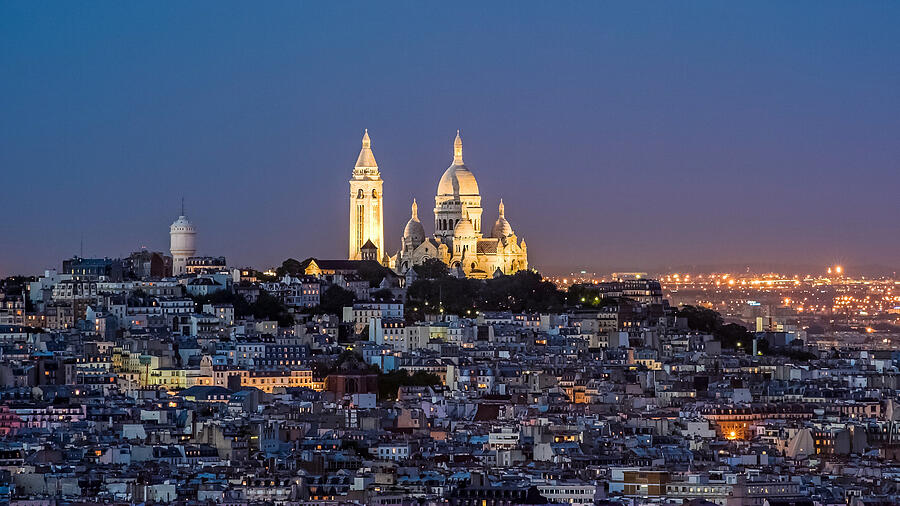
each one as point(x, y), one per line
point(81, 249)
point(182, 205)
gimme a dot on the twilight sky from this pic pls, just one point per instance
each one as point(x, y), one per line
point(628, 135)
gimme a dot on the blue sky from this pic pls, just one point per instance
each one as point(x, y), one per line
point(627, 135)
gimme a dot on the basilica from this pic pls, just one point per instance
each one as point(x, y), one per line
point(457, 240)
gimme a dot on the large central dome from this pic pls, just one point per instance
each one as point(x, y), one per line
point(457, 179)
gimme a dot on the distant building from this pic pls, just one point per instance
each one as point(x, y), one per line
point(108, 268)
point(12, 310)
point(203, 286)
point(148, 264)
point(205, 265)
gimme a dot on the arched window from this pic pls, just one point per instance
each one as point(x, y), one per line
point(374, 194)
point(359, 194)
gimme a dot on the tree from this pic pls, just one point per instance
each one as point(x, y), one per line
point(584, 295)
point(384, 294)
point(524, 291)
point(389, 383)
point(700, 319)
point(268, 307)
point(734, 335)
point(290, 266)
point(241, 306)
point(521, 292)
point(373, 272)
point(432, 268)
point(706, 320)
point(455, 296)
point(334, 299)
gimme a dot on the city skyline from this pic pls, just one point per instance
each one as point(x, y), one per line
point(417, 254)
point(622, 136)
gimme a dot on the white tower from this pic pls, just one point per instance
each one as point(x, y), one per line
point(366, 203)
point(182, 242)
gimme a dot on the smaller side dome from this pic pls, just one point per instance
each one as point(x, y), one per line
point(501, 228)
point(414, 232)
point(464, 228)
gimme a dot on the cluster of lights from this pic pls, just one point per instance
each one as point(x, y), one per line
point(832, 292)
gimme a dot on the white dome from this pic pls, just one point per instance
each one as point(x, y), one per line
point(501, 228)
point(457, 179)
point(414, 232)
point(464, 229)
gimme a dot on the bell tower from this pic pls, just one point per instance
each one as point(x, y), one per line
point(366, 203)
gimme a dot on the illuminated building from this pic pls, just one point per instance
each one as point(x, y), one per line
point(458, 240)
point(366, 209)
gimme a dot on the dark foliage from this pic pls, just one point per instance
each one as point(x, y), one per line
point(333, 300)
point(455, 296)
point(373, 272)
point(798, 355)
point(586, 296)
point(389, 383)
point(524, 291)
point(382, 295)
point(241, 307)
point(706, 320)
point(700, 318)
point(266, 306)
point(323, 369)
point(431, 268)
point(290, 266)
